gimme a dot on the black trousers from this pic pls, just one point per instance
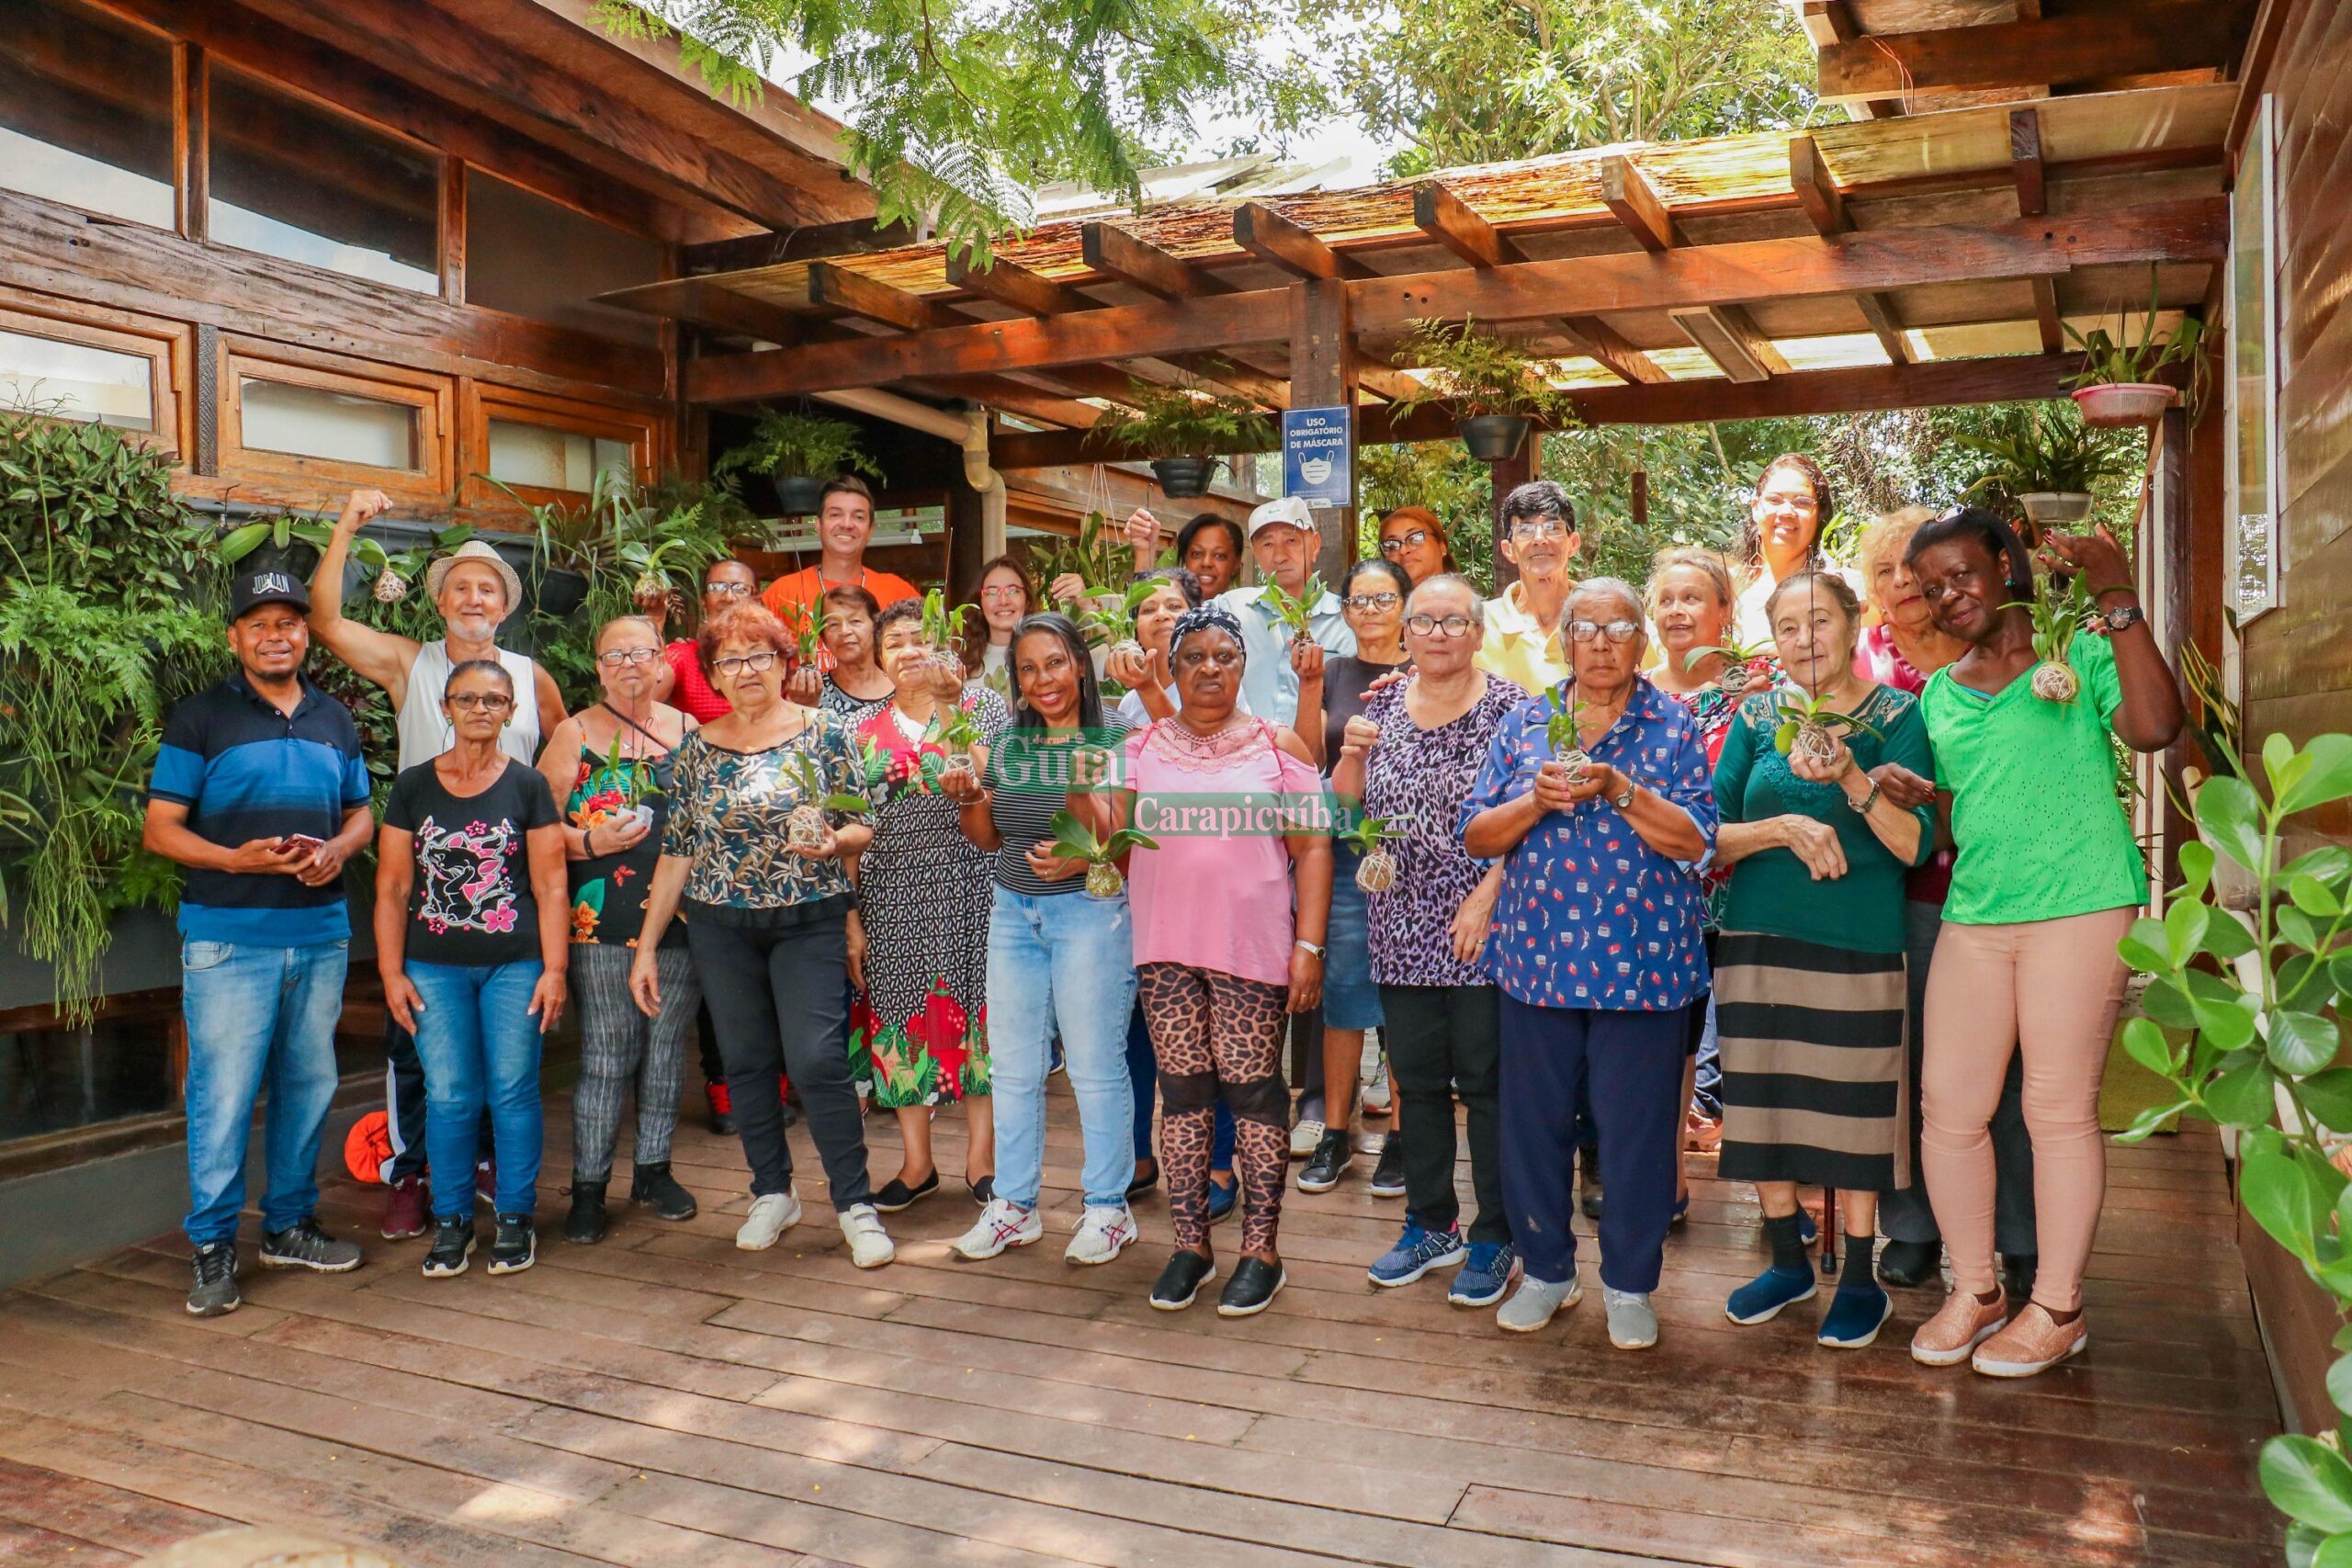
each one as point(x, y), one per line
point(1445, 1044)
point(781, 1000)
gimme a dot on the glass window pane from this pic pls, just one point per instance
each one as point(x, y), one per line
point(70, 380)
point(309, 422)
point(293, 180)
point(526, 454)
point(85, 110)
point(540, 259)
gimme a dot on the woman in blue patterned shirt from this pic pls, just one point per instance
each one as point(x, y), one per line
point(1598, 953)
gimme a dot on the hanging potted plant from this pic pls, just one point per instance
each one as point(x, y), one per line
point(2117, 387)
point(799, 453)
point(284, 544)
point(1182, 429)
point(2045, 462)
point(1497, 389)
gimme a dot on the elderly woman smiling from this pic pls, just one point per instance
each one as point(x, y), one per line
point(1597, 950)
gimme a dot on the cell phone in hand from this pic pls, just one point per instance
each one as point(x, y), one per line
point(300, 841)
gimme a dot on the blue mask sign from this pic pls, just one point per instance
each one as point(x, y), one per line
point(1319, 456)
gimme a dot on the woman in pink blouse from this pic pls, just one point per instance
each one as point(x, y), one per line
point(1235, 810)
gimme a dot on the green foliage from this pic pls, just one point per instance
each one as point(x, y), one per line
point(1108, 624)
point(1564, 731)
point(2042, 447)
point(2241, 1011)
point(2059, 610)
point(1479, 372)
point(1369, 833)
point(109, 613)
point(793, 445)
point(2107, 362)
point(1802, 716)
point(942, 628)
point(1184, 420)
point(957, 108)
point(1077, 841)
point(1099, 556)
point(1488, 81)
point(1296, 613)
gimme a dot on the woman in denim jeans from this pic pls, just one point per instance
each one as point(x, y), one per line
point(1057, 955)
point(473, 938)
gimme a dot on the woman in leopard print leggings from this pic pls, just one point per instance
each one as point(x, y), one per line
point(1219, 955)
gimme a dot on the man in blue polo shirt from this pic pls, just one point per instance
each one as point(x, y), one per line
point(261, 792)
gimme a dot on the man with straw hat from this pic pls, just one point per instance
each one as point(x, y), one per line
point(475, 591)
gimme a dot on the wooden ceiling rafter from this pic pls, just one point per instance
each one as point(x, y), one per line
point(2091, 44)
point(2033, 197)
point(1725, 333)
point(1825, 208)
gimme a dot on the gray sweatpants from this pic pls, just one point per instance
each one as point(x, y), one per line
point(620, 1048)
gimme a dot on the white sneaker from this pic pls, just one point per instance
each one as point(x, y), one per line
point(1103, 1234)
point(1001, 1224)
point(1303, 1137)
point(772, 1213)
point(869, 1244)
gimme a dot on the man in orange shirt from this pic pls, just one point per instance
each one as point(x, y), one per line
point(844, 528)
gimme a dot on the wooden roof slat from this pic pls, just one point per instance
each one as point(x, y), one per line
point(1114, 252)
point(1010, 283)
point(2033, 196)
point(1607, 347)
point(1267, 234)
point(1825, 208)
point(839, 288)
point(2093, 40)
point(1726, 336)
point(1637, 203)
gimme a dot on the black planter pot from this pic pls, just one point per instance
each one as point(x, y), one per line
point(799, 493)
point(558, 592)
point(297, 558)
point(1494, 437)
point(1182, 477)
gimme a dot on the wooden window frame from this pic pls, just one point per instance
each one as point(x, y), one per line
point(167, 346)
point(432, 397)
point(644, 433)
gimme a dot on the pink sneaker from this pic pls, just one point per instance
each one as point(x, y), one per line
point(408, 1206)
point(1948, 1339)
point(2034, 1342)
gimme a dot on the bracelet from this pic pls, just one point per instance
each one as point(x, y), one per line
point(1863, 808)
point(588, 842)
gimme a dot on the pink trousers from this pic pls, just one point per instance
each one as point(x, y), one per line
point(2050, 991)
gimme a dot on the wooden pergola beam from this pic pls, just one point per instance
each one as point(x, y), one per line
point(1608, 347)
point(1730, 337)
point(1010, 283)
point(2094, 40)
point(1869, 388)
point(1736, 273)
point(854, 294)
point(1628, 193)
point(2033, 198)
point(1738, 350)
point(1825, 208)
point(1114, 252)
point(1271, 237)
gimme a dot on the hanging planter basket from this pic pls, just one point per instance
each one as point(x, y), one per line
point(1494, 437)
point(800, 494)
point(1183, 478)
point(559, 590)
point(2055, 508)
point(2121, 404)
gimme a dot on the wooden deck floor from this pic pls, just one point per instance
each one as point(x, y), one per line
point(665, 1399)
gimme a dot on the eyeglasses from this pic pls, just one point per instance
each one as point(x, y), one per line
point(1452, 625)
point(757, 664)
point(1539, 528)
point(1387, 601)
point(1411, 540)
point(485, 702)
point(613, 657)
point(1807, 502)
point(727, 590)
point(1013, 591)
point(1616, 631)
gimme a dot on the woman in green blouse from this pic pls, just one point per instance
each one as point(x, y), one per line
point(1809, 981)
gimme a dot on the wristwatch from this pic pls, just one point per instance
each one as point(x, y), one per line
point(2122, 618)
point(1315, 948)
point(1624, 802)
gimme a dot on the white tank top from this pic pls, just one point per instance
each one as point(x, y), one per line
point(424, 729)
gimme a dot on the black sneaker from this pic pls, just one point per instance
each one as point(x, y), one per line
point(654, 1185)
point(214, 1292)
point(516, 1246)
point(1388, 1176)
point(453, 1243)
point(1251, 1289)
point(895, 1194)
point(1907, 1265)
point(1182, 1281)
point(589, 1220)
point(1326, 1165)
point(304, 1245)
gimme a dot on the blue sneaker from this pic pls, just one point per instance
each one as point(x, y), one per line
point(1762, 1298)
point(1222, 1196)
point(1806, 1228)
point(1855, 1316)
point(1416, 1253)
point(1486, 1275)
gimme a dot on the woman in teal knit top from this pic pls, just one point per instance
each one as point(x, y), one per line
point(1809, 994)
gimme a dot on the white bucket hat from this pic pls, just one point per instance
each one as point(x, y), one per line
point(1290, 510)
point(474, 549)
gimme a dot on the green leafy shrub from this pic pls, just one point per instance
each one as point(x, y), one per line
point(1479, 372)
point(1185, 421)
point(793, 445)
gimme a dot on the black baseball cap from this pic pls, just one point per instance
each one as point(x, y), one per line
point(276, 587)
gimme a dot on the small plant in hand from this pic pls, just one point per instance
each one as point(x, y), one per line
point(1377, 872)
point(1077, 841)
point(633, 782)
point(1115, 625)
point(1809, 728)
point(805, 829)
point(1099, 556)
point(1564, 731)
point(808, 631)
point(2058, 617)
point(1745, 665)
point(942, 628)
point(1296, 613)
point(955, 731)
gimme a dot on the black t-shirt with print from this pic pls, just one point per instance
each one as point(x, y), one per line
point(472, 902)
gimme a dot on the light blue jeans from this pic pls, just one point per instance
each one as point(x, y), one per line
point(480, 1046)
point(257, 1015)
point(1067, 959)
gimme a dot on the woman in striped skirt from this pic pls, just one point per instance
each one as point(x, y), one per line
point(1809, 979)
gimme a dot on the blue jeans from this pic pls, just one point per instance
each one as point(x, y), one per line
point(1143, 1076)
point(1068, 960)
point(480, 1047)
point(255, 1016)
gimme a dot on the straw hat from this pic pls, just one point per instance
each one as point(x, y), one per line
point(474, 549)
